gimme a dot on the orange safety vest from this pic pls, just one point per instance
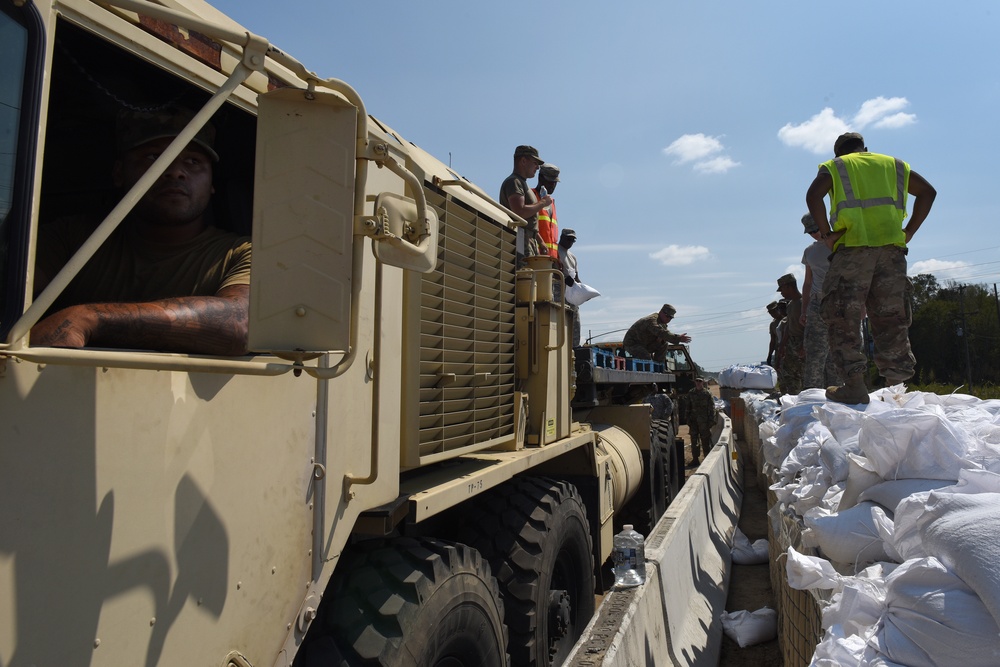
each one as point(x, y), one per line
point(548, 227)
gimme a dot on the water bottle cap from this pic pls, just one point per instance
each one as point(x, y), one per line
point(627, 526)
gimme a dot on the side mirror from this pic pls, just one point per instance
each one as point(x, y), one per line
point(400, 238)
point(303, 222)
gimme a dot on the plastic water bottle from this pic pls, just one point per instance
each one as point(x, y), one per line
point(543, 192)
point(629, 558)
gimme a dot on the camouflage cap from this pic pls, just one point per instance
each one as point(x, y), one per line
point(528, 151)
point(773, 306)
point(810, 224)
point(668, 310)
point(136, 128)
point(549, 172)
point(787, 279)
point(568, 233)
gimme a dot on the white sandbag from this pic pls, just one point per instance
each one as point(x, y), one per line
point(849, 536)
point(860, 477)
point(833, 457)
point(795, 419)
point(747, 628)
point(745, 553)
point(933, 618)
point(844, 421)
point(855, 608)
point(804, 454)
point(838, 649)
point(743, 376)
point(888, 494)
point(579, 293)
point(812, 487)
point(906, 443)
point(805, 572)
point(886, 529)
point(960, 530)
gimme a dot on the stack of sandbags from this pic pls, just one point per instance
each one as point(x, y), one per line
point(910, 483)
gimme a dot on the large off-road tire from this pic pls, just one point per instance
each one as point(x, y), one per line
point(534, 532)
point(410, 603)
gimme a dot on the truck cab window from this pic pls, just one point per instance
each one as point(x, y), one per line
point(184, 249)
point(13, 53)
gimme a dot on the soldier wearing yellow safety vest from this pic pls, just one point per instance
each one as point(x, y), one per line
point(548, 226)
point(868, 195)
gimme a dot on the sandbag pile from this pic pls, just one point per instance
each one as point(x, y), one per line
point(900, 499)
point(748, 376)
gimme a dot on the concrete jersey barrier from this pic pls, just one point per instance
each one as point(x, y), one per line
point(674, 617)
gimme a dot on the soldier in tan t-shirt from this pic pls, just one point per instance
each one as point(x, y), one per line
point(166, 279)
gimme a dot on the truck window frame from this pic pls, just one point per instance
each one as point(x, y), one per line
point(15, 223)
point(96, 98)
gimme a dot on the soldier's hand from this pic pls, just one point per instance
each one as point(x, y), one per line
point(70, 327)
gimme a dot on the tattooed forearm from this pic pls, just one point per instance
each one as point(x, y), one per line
point(198, 324)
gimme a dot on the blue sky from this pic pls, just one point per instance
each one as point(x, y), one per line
point(687, 133)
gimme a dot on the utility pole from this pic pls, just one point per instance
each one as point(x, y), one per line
point(997, 299)
point(965, 336)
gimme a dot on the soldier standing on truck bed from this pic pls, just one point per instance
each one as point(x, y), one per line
point(818, 369)
point(567, 260)
point(548, 224)
point(701, 418)
point(518, 197)
point(166, 279)
point(774, 310)
point(868, 269)
point(648, 337)
point(792, 350)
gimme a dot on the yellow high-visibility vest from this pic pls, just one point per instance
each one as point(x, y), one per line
point(868, 199)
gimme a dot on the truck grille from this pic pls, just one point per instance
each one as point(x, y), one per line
point(466, 333)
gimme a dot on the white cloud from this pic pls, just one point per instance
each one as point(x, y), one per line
point(717, 165)
point(950, 270)
point(819, 132)
point(700, 149)
point(873, 110)
point(896, 120)
point(691, 147)
point(675, 255)
point(816, 135)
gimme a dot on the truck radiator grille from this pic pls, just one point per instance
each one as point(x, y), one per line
point(466, 334)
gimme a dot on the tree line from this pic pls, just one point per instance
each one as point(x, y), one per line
point(955, 333)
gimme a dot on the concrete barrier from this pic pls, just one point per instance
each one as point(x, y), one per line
point(674, 618)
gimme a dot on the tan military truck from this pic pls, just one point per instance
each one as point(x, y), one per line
point(393, 475)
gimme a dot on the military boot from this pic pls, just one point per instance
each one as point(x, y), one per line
point(851, 392)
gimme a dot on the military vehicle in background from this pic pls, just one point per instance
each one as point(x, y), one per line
point(410, 467)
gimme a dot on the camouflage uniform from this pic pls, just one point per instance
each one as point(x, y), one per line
point(874, 278)
point(648, 339)
point(662, 406)
point(701, 418)
point(818, 368)
point(791, 362)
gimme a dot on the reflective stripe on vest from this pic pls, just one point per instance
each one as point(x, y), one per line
point(850, 201)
